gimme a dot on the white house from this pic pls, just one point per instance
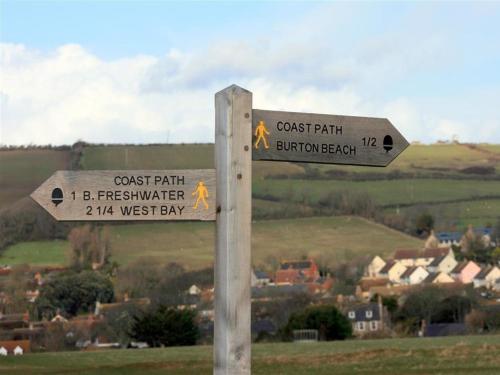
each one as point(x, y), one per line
point(444, 263)
point(487, 277)
point(413, 257)
point(3, 351)
point(18, 350)
point(439, 278)
point(373, 269)
point(393, 271)
point(260, 278)
point(194, 290)
point(414, 275)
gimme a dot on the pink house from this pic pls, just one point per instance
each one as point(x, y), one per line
point(465, 271)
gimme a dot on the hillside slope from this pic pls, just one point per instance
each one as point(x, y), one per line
point(328, 239)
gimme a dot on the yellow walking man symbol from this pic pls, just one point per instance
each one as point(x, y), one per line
point(202, 192)
point(260, 133)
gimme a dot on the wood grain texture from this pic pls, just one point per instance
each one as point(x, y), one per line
point(330, 139)
point(233, 161)
point(129, 195)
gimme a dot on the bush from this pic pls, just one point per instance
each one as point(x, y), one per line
point(166, 327)
point(328, 320)
point(73, 293)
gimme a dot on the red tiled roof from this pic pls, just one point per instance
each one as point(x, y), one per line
point(366, 284)
point(434, 253)
point(406, 254)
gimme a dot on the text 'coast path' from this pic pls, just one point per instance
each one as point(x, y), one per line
point(330, 139)
point(129, 195)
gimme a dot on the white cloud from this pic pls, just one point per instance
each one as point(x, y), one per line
point(71, 94)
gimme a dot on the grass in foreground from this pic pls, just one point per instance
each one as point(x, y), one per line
point(333, 239)
point(448, 355)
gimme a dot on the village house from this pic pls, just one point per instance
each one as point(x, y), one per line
point(413, 257)
point(438, 278)
point(449, 238)
point(194, 290)
point(374, 267)
point(465, 271)
point(15, 347)
point(414, 275)
point(365, 286)
point(260, 278)
point(443, 263)
point(392, 271)
point(293, 272)
point(487, 277)
point(367, 318)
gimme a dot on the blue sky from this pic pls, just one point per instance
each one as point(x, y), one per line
point(146, 72)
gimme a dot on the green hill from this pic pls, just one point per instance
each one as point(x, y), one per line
point(22, 171)
point(329, 239)
point(457, 183)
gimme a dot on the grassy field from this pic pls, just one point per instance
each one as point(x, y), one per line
point(384, 192)
point(417, 158)
point(460, 215)
point(445, 158)
point(168, 157)
point(39, 253)
point(22, 171)
point(469, 355)
point(332, 239)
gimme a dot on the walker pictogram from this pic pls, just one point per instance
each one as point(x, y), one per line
point(260, 133)
point(202, 192)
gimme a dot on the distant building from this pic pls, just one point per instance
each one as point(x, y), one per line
point(374, 267)
point(260, 278)
point(445, 329)
point(194, 290)
point(487, 277)
point(367, 318)
point(414, 275)
point(443, 263)
point(393, 271)
point(465, 271)
point(15, 347)
point(292, 272)
point(438, 278)
point(365, 287)
point(449, 238)
point(413, 257)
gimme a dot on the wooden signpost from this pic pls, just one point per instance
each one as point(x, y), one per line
point(331, 139)
point(242, 134)
point(129, 195)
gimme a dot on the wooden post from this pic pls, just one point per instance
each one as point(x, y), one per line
point(233, 162)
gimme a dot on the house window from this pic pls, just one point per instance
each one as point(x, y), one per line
point(360, 326)
point(352, 315)
point(373, 325)
point(369, 313)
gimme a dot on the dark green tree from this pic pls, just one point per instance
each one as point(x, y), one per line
point(166, 326)
point(328, 320)
point(424, 223)
point(73, 292)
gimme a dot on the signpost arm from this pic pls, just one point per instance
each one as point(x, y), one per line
point(233, 158)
